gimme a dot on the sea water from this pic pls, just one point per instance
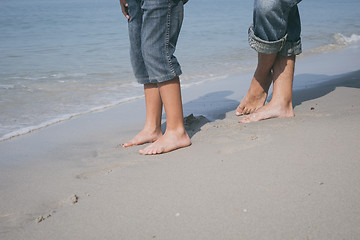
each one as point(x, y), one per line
point(60, 59)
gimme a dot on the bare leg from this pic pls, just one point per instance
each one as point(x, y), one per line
point(281, 102)
point(175, 135)
point(152, 129)
point(257, 93)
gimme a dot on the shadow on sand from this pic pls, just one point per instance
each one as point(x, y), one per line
point(350, 80)
point(207, 108)
point(214, 106)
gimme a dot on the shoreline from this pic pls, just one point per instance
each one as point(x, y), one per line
point(291, 178)
point(343, 52)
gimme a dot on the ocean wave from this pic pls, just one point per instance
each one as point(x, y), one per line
point(65, 117)
point(7, 86)
point(339, 41)
point(189, 82)
point(208, 78)
point(30, 129)
point(343, 40)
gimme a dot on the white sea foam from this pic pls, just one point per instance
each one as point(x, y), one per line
point(201, 80)
point(65, 117)
point(343, 40)
point(340, 41)
point(30, 129)
point(7, 86)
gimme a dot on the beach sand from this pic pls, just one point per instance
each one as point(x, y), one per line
point(293, 178)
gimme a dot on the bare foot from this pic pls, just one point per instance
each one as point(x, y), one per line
point(255, 97)
point(144, 136)
point(251, 103)
point(170, 141)
point(268, 111)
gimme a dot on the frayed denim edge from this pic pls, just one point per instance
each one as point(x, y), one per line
point(281, 46)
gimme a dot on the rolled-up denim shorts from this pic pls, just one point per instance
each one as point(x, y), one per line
point(154, 28)
point(276, 27)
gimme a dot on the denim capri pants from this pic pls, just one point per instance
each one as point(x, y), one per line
point(276, 27)
point(154, 28)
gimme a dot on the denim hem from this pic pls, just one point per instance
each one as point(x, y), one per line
point(291, 49)
point(262, 46)
point(281, 46)
point(160, 79)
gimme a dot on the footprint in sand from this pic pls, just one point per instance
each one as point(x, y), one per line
point(72, 200)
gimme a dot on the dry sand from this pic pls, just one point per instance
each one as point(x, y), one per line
point(293, 178)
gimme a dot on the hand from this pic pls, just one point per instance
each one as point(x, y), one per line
point(124, 8)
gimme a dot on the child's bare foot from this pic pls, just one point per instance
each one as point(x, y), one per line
point(255, 97)
point(170, 141)
point(145, 136)
point(268, 111)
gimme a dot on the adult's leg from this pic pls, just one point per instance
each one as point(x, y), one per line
point(175, 135)
point(276, 32)
point(266, 36)
point(152, 128)
point(281, 101)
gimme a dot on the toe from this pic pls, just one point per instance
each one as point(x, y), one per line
point(128, 144)
point(239, 110)
point(245, 111)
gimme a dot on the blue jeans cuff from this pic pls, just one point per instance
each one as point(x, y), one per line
point(291, 49)
point(280, 46)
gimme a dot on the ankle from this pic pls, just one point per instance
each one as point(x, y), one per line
point(180, 131)
point(152, 129)
point(258, 89)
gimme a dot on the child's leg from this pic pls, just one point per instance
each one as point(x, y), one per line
point(152, 129)
point(175, 135)
point(281, 101)
point(257, 93)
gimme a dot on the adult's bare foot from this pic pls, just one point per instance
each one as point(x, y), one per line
point(270, 110)
point(170, 141)
point(145, 136)
point(255, 97)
